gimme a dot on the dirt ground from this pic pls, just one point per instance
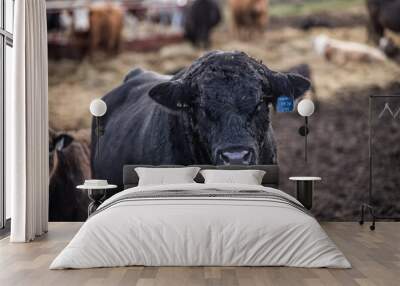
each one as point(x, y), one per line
point(339, 129)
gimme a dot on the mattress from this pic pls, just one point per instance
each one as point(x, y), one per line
point(201, 225)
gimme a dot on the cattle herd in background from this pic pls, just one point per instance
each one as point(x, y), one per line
point(98, 26)
point(69, 158)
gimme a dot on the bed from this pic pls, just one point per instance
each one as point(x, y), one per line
point(199, 224)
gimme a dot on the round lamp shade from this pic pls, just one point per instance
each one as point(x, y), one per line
point(98, 107)
point(306, 107)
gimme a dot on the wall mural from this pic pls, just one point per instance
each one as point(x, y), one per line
point(176, 93)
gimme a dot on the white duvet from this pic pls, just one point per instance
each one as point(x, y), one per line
point(200, 231)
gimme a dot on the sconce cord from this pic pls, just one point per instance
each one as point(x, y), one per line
point(305, 139)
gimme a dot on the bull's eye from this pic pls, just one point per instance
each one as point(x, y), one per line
point(256, 110)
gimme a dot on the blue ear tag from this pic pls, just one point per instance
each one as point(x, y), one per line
point(284, 104)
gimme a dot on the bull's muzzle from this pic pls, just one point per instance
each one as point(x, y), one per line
point(236, 156)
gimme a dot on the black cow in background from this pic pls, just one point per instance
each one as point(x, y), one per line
point(384, 14)
point(214, 112)
point(201, 17)
point(69, 166)
point(53, 21)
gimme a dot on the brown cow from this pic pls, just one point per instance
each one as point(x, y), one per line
point(106, 22)
point(249, 15)
point(69, 164)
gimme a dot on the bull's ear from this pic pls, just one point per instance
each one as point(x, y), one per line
point(299, 84)
point(170, 94)
point(62, 141)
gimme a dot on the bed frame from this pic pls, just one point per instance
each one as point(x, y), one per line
point(271, 177)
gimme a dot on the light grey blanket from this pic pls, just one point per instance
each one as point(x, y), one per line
point(201, 225)
point(203, 194)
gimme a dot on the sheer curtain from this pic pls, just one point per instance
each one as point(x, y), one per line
point(27, 124)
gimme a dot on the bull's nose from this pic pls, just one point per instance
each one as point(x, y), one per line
point(236, 157)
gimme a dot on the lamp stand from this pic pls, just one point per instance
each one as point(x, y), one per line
point(303, 131)
point(99, 132)
point(305, 139)
point(98, 138)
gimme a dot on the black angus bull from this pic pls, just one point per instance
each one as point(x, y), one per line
point(214, 112)
point(200, 18)
point(69, 166)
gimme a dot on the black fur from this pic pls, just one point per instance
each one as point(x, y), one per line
point(200, 18)
point(384, 14)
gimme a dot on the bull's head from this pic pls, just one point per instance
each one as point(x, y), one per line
point(225, 97)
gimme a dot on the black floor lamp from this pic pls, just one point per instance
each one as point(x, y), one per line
point(305, 108)
point(381, 109)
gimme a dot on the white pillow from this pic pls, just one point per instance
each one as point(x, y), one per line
point(165, 176)
point(248, 177)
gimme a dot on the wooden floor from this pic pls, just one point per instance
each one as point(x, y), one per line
point(375, 257)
